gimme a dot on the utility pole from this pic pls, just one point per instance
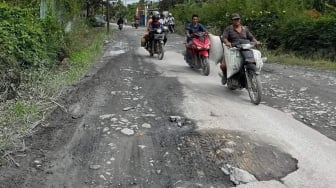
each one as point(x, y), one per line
point(107, 16)
point(145, 13)
point(43, 8)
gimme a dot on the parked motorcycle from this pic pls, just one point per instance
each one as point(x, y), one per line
point(156, 46)
point(243, 64)
point(198, 55)
point(120, 26)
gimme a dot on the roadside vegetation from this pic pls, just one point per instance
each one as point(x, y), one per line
point(42, 52)
point(38, 58)
point(300, 32)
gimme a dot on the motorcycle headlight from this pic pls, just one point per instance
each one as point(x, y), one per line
point(159, 30)
point(246, 46)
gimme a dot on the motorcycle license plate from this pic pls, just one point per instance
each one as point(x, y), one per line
point(158, 36)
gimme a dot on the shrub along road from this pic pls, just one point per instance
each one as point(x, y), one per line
point(135, 121)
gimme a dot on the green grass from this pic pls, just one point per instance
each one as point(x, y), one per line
point(82, 60)
point(40, 88)
point(290, 59)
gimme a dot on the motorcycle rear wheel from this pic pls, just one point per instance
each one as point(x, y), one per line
point(205, 66)
point(160, 51)
point(254, 87)
point(151, 50)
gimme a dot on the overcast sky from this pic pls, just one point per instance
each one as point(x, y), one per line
point(130, 1)
point(135, 1)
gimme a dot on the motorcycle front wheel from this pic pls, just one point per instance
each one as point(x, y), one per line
point(171, 29)
point(151, 50)
point(160, 50)
point(205, 66)
point(254, 87)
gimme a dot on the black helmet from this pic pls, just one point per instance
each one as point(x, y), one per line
point(156, 17)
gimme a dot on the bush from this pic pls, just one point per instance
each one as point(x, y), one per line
point(264, 24)
point(54, 33)
point(284, 25)
point(22, 39)
point(307, 36)
point(26, 40)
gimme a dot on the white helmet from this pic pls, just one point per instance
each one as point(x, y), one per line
point(170, 14)
point(156, 13)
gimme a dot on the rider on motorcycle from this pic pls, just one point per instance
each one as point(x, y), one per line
point(171, 21)
point(120, 21)
point(149, 22)
point(146, 35)
point(232, 34)
point(155, 24)
point(191, 28)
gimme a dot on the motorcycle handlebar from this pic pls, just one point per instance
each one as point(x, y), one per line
point(197, 34)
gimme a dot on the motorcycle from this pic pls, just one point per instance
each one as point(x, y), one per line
point(156, 46)
point(198, 55)
point(243, 65)
point(136, 24)
point(120, 26)
point(171, 27)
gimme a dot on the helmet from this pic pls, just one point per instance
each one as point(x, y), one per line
point(170, 14)
point(155, 17)
point(155, 13)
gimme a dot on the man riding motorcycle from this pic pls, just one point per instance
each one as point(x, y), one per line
point(155, 24)
point(120, 22)
point(191, 28)
point(233, 34)
point(171, 22)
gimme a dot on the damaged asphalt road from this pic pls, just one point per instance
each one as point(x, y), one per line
point(135, 121)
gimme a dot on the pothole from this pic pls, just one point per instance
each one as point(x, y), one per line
point(201, 155)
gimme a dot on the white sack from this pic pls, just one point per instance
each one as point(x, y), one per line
point(216, 52)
